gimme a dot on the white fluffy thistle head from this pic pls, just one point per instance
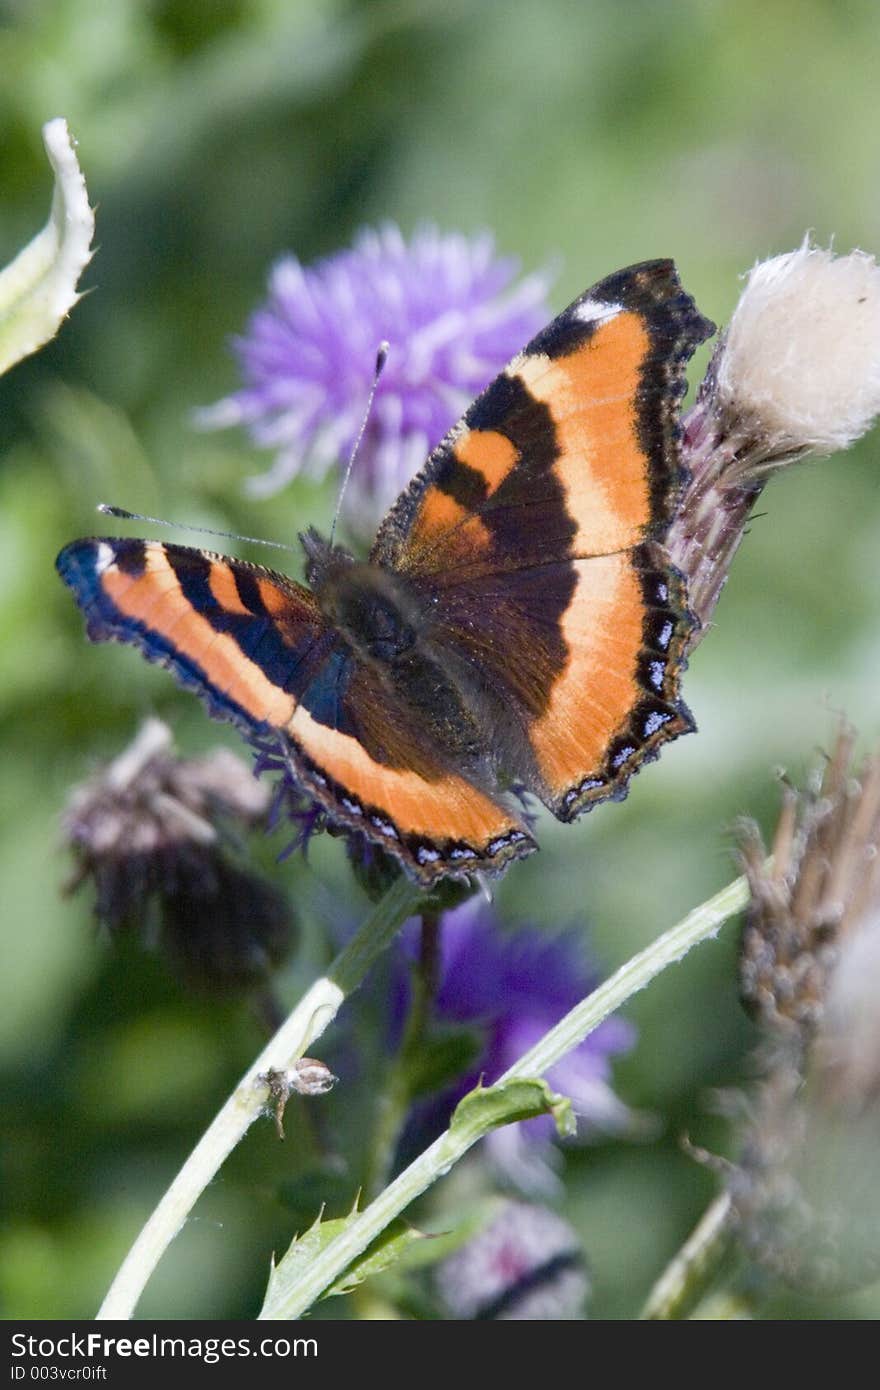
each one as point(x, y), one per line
point(801, 359)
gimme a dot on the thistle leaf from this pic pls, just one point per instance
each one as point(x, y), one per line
point(486, 1108)
point(385, 1251)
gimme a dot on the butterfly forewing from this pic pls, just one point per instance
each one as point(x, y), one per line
point(539, 522)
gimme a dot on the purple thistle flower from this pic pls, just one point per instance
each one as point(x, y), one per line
point(446, 304)
point(513, 986)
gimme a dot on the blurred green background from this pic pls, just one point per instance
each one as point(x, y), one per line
point(214, 136)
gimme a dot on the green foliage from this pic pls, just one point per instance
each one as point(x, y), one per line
point(213, 138)
point(487, 1107)
point(446, 1054)
point(379, 1257)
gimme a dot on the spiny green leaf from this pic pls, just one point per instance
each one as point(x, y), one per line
point(435, 1247)
point(393, 1243)
point(485, 1108)
point(384, 1252)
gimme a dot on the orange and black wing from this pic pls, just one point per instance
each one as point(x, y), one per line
point(366, 755)
point(246, 640)
point(256, 649)
point(538, 526)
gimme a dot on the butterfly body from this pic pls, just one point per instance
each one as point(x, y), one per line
point(517, 626)
point(386, 625)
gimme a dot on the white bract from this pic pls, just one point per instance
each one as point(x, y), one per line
point(38, 288)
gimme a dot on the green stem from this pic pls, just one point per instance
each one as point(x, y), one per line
point(724, 1307)
point(701, 924)
point(704, 922)
point(394, 1104)
point(688, 1272)
point(312, 1015)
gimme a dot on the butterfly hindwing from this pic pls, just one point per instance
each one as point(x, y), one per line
point(370, 762)
point(616, 699)
point(583, 658)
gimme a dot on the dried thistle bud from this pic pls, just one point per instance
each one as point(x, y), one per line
point(153, 831)
point(805, 1189)
point(847, 1047)
point(526, 1263)
point(797, 373)
point(820, 886)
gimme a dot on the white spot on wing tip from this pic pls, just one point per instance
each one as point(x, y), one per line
point(105, 556)
point(596, 311)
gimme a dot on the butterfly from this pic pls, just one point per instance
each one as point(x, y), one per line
point(517, 628)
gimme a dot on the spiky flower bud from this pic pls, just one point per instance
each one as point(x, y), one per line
point(805, 1188)
point(152, 831)
point(796, 373)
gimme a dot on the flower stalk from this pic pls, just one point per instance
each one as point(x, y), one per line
point(688, 1272)
point(312, 1015)
point(394, 1105)
point(435, 1161)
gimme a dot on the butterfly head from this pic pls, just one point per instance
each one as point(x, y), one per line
point(371, 608)
point(323, 559)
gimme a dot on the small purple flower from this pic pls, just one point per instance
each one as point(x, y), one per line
point(448, 308)
point(513, 986)
point(525, 1264)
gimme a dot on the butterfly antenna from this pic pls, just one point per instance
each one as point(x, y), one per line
point(107, 510)
point(381, 359)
